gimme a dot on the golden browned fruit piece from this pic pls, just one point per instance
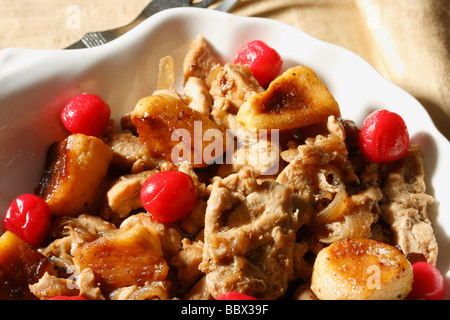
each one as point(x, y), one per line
point(20, 265)
point(172, 130)
point(74, 171)
point(361, 269)
point(132, 256)
point(295, 99)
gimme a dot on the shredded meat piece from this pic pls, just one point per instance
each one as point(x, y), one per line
point(70, 232)
point(311, 165)
point(199, 291)
point(187, 261)
point(304, 292)
point(157, 290)
point(231, 85)
point(362, 213)
point(83, 285)
point(235, 83)
point(199, 60)
point(197, 96)
point(302, 267)
point(130, 154)
point(195, 220)
point(249, 237)
point(88, 285)
point(262, 157)
point(123, 196)
point(51, 286)
point(323, 180)
point(405, 207)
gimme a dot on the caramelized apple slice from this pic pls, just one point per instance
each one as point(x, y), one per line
point(74, 171)
point(361, 269)
point(20, 266)
point(295, 99)
point(130, 256)
point(176, 132)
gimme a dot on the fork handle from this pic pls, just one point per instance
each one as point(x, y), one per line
point(94, 39)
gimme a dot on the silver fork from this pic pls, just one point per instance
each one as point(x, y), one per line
point(94, 39)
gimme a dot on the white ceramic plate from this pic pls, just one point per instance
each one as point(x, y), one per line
point(35, 84)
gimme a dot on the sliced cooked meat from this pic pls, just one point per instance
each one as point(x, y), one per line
point(405, 208)
point(200, 60)
point(249, 237)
